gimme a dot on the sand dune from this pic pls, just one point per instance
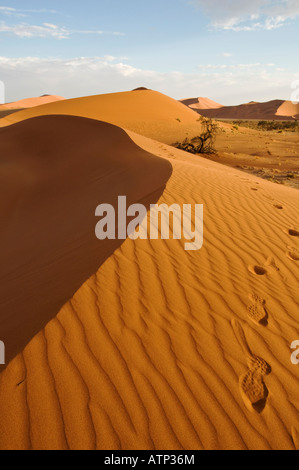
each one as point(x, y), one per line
point(145, 112)
point(289, 109)
point(201, 103)
point(159, 349)
point(55, 171)
point(31, 102)
point(271, 110)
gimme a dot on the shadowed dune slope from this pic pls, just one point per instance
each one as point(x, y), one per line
point(145, 112)
point(54, 172)
point(164, 349)
point(7, 112)
point(31, 102)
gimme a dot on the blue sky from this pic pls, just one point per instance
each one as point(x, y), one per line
point(229, 50)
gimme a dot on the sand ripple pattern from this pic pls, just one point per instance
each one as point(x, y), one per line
point(144, 356)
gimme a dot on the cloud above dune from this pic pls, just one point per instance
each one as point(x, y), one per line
point(22, 13)
point(24, 30)
point(227, 84)
point(249, 16)
point(47, 30)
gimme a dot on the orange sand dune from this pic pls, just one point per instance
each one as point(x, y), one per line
point(271, 110)
point(31, 102)
point(201, 103)
point(54, 172)
point(289, 109)
point(145, 112)
point(161, 348)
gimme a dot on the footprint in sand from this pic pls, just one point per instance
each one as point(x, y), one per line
point(253, 391)
point(293, 254)
point(269, 267)
point(258, 364)
point(257, 311)
point(293, 233)
point(252, 386)
point(258, 270)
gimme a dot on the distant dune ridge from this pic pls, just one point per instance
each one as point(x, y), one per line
point(271, 110)
point(141, 88)
point(157, 348)
point(31, 102)
point(146, 112)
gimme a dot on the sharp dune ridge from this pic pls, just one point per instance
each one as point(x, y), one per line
point(55, 171)
point(153, 347)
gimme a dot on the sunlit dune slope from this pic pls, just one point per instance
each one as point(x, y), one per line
point(163, 348)
point(145, 112)
point(54, 172)
point(201, 103)
point(288, 109)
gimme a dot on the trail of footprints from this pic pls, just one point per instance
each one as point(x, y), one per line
point(252, 386)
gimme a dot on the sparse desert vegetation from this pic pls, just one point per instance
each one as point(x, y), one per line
point(263, 125)
point(203, 143)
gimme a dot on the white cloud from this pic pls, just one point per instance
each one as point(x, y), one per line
point(33, 76)
point(22, 13)
point(239, 15)
point(233, 66)
point(46, 29)
point(7, 9)
point(227, 54)
point(25, 30)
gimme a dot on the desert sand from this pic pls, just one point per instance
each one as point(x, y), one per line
point(271, 110)
point(142, 345)
point(270, 155)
